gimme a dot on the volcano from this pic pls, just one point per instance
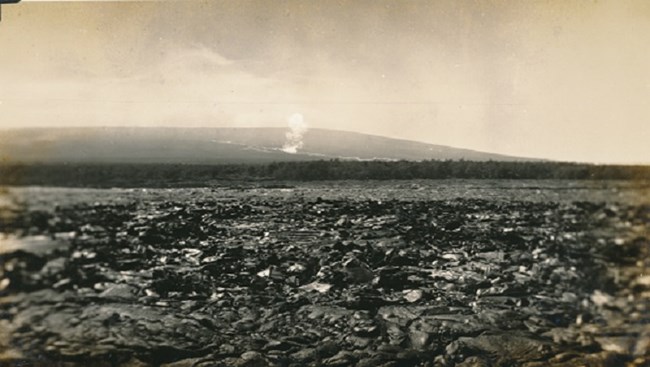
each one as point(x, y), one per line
point(215, 146)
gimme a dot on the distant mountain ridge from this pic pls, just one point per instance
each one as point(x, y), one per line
point(214, 146)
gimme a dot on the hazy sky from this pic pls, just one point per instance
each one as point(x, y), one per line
point(551, 79)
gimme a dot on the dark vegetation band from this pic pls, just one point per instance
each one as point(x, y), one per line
point(174, 175)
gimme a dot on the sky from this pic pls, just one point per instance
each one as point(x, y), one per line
point(563, 80)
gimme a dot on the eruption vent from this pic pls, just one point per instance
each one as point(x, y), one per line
point(294, 137)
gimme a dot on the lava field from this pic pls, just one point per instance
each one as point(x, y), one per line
point(311, 281)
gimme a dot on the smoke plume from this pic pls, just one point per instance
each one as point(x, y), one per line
point(297, 128)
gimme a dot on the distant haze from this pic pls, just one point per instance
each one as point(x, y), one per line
point(561, 80)
point(215, 146)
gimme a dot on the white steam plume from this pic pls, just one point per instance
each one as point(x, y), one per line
point(294, 137)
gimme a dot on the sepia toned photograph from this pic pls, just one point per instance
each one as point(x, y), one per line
point(201, 183)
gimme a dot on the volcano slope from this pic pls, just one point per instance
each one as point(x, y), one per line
point(289, 276)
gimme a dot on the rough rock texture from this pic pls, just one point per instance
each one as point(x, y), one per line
point(310, 281)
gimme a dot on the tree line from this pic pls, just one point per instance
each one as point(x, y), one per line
point(162, 175)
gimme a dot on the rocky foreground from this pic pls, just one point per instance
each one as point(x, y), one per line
point(313, 282)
